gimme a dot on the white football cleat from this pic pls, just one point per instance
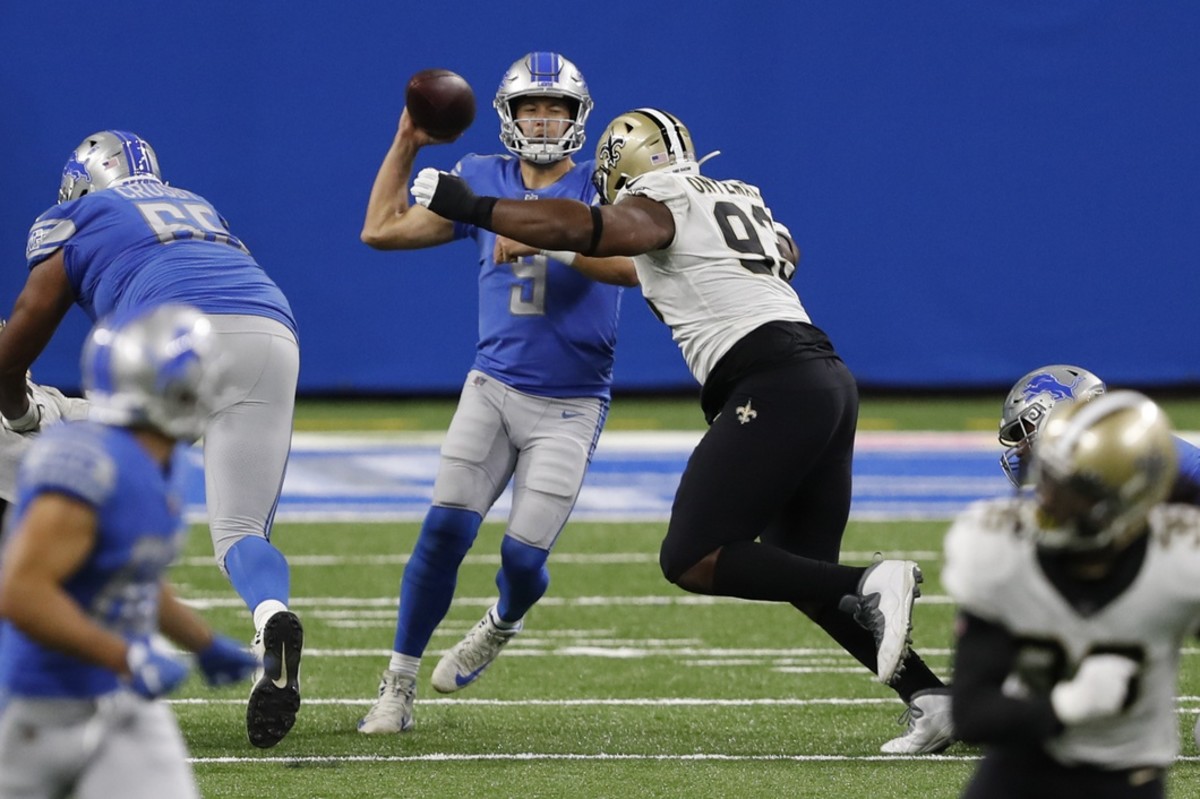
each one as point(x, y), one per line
point(884, 606)
point(393, 710)
point(930, 729)
point(463, 664)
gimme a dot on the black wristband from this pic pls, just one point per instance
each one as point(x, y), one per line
point(597, 230)
point(480, 214)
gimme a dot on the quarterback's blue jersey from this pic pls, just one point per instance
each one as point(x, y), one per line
point(139, 531)
point(143, 242)
point(544, 328)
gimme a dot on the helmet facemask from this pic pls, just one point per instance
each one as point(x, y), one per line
point(103, 159)
point(543, 75)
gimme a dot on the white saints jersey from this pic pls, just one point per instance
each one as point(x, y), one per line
point(723, 275)
point(992, 572)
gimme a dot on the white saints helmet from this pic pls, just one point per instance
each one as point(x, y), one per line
point(1099, 467)
point(543, 75)
point(640, 141)
point(104, 158)
point(156, 368)
point(1028, 404)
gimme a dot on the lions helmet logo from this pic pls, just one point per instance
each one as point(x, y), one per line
point(1046, 383)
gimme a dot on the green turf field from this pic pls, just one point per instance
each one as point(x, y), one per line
point(621, 685)
point(683, 413)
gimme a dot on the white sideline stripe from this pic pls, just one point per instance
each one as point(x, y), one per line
point(1184, 703)
point(439, 757)
point(529, 756)
point(612, 558)
point(648, 702)
point(581, 650)
point(212, 603)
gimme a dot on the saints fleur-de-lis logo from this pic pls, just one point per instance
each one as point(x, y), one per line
point(745, 413)
point(610, 151)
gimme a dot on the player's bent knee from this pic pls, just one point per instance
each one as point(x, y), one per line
point(686, 572)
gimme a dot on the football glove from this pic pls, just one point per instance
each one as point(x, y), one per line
point(1098, 689)
point(449, 196)
point(225, 661)
point(153, 674)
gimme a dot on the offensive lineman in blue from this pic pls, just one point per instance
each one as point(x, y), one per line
point(120, 238)
point(536, 397)
point(82, 589)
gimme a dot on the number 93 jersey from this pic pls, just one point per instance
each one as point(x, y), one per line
point(723, 275)
point(142, 242)
point(992, 571)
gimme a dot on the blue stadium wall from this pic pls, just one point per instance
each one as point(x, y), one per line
point(978, 187)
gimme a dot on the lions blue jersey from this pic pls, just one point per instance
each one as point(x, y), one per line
point(138, 534)
point(146, 243)
point(544, 328)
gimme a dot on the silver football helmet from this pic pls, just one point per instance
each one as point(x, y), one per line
point(104, 158)
point(1099, 467)
point(156, 368)
point(1028, 404)
point(640, 141)
point(542, 74)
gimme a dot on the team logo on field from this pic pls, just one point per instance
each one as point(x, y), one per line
point(745, 413)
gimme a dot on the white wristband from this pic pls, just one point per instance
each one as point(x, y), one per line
point(564, 256)
point(26, 421)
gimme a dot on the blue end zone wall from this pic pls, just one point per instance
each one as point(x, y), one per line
point(978, 186)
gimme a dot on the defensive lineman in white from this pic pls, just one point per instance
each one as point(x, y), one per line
point(1074, 604)
point(763, 503)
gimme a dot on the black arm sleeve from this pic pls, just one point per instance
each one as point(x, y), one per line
point(984, 657)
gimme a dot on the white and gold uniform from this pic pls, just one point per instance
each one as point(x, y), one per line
point(993, 572)
point(723, 275)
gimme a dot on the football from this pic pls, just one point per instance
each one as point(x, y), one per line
point(440, 102)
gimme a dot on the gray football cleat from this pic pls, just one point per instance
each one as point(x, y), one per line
point(930, 729)
point(393, 710)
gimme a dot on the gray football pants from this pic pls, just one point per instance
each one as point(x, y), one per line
point(119, 746)
point(249, 437)
point(544, 444)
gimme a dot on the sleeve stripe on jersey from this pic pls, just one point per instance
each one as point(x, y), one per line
point(46, 237)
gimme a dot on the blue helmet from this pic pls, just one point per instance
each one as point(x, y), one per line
point(104, 158)
point(154, 368)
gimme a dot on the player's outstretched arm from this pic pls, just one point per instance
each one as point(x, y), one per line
point(635, 225)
